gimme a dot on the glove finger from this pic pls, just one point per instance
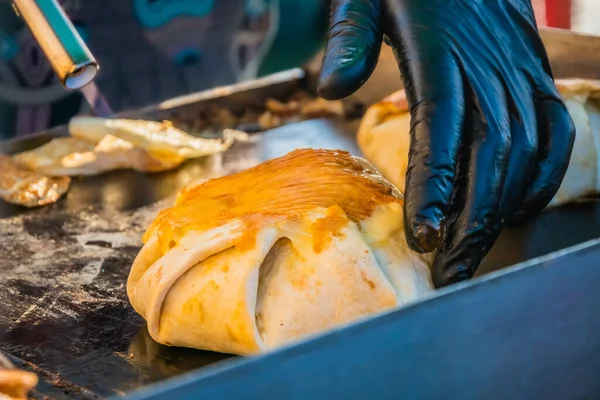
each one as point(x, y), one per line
point(556, 135)
point(475, 223)
point(437, 119)
point(523, 150)
point(352, 49)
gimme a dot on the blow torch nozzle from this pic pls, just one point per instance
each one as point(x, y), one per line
point(70, 58)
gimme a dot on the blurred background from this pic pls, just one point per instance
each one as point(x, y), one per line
point(151, 50)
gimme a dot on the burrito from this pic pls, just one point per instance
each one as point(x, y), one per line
point(290, 248)
point(384, 139)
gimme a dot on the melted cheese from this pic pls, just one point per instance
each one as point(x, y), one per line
point(278, 190)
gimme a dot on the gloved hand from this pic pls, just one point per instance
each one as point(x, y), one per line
point(490, 137)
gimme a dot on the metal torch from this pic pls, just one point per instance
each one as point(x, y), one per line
point(70, 58)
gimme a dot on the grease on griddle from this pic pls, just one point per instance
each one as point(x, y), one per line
point(99, 243)
point(64, 310)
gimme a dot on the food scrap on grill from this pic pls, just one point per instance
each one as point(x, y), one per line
point(29, 188)
point(15, 384)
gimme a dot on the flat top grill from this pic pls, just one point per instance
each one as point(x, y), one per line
point(64, 312)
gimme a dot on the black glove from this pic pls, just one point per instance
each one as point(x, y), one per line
point(490, 137)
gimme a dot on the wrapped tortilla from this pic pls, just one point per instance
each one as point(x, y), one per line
point(384, 139)
point(290, 248)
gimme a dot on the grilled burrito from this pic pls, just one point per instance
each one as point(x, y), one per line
point(292, 247)
point(384, 139)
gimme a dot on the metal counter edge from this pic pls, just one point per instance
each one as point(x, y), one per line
point(529, 331)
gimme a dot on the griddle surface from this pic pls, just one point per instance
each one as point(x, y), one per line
point(64, 312)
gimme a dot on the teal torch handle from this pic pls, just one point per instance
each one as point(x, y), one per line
point(69, 56)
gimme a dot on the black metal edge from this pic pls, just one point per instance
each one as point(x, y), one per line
point(15, 145)
point(218, 92)
point(227, 377)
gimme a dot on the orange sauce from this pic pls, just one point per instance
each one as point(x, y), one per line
point(280, 189)
point(324, 229)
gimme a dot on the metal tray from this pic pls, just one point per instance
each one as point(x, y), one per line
point(528, 332)
point(63, 309)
